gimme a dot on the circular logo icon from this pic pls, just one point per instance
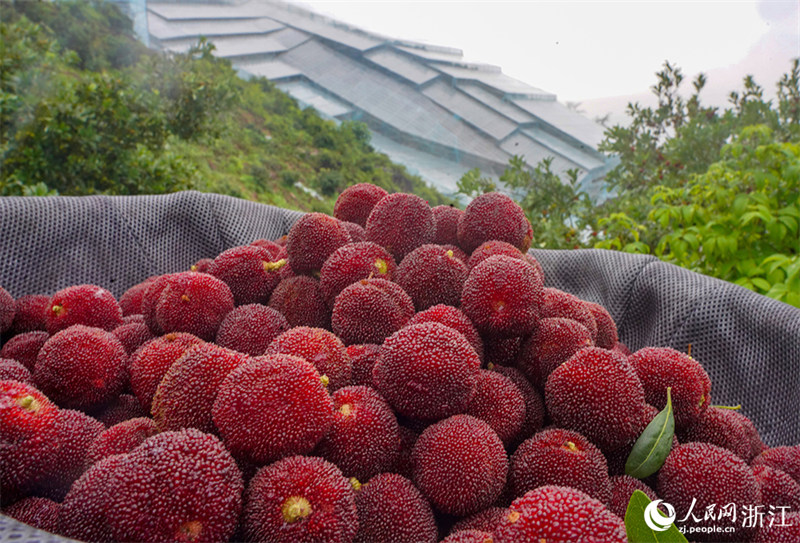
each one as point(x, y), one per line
point(655, 519)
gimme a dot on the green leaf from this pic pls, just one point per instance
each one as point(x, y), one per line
point(653, 446)
point(763, 284)
point(636, 526)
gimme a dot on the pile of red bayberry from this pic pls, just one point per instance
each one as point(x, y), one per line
point(392, 373)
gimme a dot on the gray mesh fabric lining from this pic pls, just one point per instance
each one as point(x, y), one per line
point(748, 344)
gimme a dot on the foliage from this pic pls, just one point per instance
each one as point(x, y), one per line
point(715, 192)
point(97, 31)
point(197, 90)
point(739, 220)
point(85, 108)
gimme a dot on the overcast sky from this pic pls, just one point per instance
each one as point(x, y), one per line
point(590, 51)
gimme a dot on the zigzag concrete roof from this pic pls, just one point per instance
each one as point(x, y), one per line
point(427, 107)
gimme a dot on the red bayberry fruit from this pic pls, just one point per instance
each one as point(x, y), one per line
point(193, 302)
point(88, 305)
point(460, 465)
point(502, 351)
point(661, 367)
point(131, 301)
point(554, 341)
point(300, 300)
point(312, 239)
point(721, 427)
point(364, 358)
point(251, 272)
point(785, 530)
point(364, 439)
point(430, 275)
point(446, 220)
point(176, 486)
point(784, 458)
point(534, 405)
point(493, 248)
point(40, 513)
point(777, 488)
point(7, 310)
point(700, 475)
point(502, 296)
point(251, 328)
point(11, 370)
point(469, 536)
point(355, 203)
point(557, 513)
point(606, 327)
point(455, 319)
point(133, 335)
point(390, 508)
point(597, 393)
point(81, 367)
point(498, 402)
point(151, 361)
point(84, 511)
point(120, 439)
point(125, 407)
point(271, 407)
point(186, 394)
point(29, 314)
point(401, 222)
point(300, 499)
point(351, 263)
point(29, 424)
point(486, 520)
point(427, 371)
point(76, 432)
point(370, 310)
point(493, 216)
point(24, 348)
point(321, 348)
point(356, 231)
point(557, 303)
point(563, 458)
point(622, 488)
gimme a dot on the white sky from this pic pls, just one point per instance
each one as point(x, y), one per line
point(590, 49)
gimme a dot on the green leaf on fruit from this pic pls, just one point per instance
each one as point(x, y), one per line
point(637, 527)
point(653, 446)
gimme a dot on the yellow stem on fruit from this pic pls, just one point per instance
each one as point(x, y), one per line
point(490, 366)
point(513, 516)
point(689, 350)
point(571, 446)
point(274, 266)
point(346, 409)
point(731, 407)
point(193, 268)
point(28, 403)
point(324, 380)
point(185, 298)
point(381, 266)
point(295, 508)
point(450, 253)
point(57, 309)
point(355, 484)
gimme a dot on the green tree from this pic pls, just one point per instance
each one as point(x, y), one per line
point(739, 220)
point(715, 192)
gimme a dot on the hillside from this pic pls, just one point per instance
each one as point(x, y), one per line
point(85, 109)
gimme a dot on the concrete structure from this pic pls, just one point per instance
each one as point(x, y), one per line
point(426, 107)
